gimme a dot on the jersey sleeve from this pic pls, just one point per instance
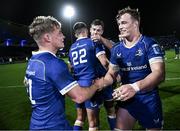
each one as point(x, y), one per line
point(155, 53)
point(100, 49)
point(61, 77)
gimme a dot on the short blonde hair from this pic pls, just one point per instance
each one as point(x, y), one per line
point(41, 25)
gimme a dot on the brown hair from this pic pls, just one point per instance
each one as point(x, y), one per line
point(133, 12)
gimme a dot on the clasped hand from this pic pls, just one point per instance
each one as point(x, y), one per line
point(123, 93)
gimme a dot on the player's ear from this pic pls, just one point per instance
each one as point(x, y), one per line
point(136, 23)
point(47, 37)
point(101, 32)
point(76, 35)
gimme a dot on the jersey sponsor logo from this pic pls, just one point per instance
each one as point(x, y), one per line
point(78, 46)
point(134, 68)
point(31, 73)
point(139, 52)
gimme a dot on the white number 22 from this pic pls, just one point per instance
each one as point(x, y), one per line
point(81, 54)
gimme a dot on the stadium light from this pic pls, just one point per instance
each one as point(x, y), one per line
point(69, 13)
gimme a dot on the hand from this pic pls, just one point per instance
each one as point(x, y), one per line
point(124, 92)
point(25, 82)
point(121, 37)
point(118, 78)
point(96, 38)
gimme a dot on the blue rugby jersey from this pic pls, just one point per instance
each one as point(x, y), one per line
point(48, 79)
point(83, 58)
point(134, 62)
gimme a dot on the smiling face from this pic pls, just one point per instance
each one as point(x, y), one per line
point(127, 25)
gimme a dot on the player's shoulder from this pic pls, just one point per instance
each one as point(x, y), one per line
point(84, 40)
point(117, 45)
point(53, 60)
point(148, 39)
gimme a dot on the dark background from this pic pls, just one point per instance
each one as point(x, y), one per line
point(158, 18)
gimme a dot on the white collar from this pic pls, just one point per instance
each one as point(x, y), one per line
point(43, 51)
point(81, 38)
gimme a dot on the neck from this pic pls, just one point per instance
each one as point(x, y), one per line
point(50, 49)
point(130, 41)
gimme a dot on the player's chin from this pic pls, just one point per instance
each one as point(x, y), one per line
point(123, 35)
point(61, 45)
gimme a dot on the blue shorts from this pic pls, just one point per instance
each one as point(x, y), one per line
point(146, 108)
point(93, 103)
point(107, 93)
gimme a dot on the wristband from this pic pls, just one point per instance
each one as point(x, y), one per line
point(135, 87)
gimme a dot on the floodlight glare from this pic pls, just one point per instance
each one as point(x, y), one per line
point(69, 11)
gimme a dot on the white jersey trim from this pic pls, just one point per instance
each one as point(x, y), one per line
point(68, 87)
point(100, 53)
point(112, 64)
point(155, 60)
point(81, 38)
point(43, 51)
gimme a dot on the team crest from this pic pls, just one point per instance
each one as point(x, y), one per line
point(139, 52)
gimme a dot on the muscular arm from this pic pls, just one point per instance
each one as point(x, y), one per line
point(106, 42)
point(103, 40)
point(127, 91)
point(79, 94)
point(104, 61)
point(154, 78)
point(111, 75)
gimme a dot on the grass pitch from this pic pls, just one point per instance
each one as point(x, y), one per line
point(15, 109)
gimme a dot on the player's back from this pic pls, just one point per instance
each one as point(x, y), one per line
point(82, 55)
point(47, 102)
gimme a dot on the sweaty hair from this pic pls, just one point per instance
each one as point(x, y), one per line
point(98, 22)
point(41, 25)
point(79, 27)
point(135, 14)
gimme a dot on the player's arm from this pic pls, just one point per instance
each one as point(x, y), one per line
point(154, 78)
point(106, 42)
point(79, 94)
point(69, 66)
point(103, 40)
point(127, 91)
point(111, 75)
point(104, 61)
